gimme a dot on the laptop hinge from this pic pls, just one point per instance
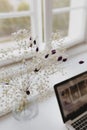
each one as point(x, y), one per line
point(68, 125)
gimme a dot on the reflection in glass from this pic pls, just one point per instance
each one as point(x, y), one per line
point(60, 3)
point(83, 88)
point(74, 92)
point(61, 23)
point(65, 97)
point(14, 5)
point(11, 25)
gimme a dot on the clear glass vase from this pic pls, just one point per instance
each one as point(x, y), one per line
point(26, 109)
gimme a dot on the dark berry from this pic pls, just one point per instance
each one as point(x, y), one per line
point(34, 42)
point(30, 45)
point(59, 58)
point(37, 49)
point(46, 56)
point(81, 62)
point(36, 70)
point(27, 92)
point(65, 59)
point(30, 38)
point(53, 52)
point(7, 83)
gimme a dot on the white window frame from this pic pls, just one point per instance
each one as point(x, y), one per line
point(82, 27)
point(36, 19)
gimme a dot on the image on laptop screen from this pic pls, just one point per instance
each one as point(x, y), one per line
point(72, 94)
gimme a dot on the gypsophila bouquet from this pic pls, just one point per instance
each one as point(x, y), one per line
point(32, 69)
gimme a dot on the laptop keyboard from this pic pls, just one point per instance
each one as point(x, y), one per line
point(81, 124)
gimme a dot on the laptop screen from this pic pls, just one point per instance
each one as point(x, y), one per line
point(72, 96)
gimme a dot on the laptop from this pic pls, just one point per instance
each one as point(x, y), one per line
point(72, 99)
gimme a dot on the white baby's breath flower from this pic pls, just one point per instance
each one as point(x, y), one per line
point(32, 75)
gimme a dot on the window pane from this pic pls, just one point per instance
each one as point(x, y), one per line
point(8, 26)
point(77, 3)
point(60, 3)
point(77, 24)
point(14, 5)
point(61, 23)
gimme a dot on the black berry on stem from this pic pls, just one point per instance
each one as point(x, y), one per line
point(81, 62)
point(30, 38)
point(53, 52)
point(46, 56)
point(36, 70)
point(27, 92)
point(34, 42)
point(59, 58)
point(65, 59)
point(31, 45)
point(37, 49)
